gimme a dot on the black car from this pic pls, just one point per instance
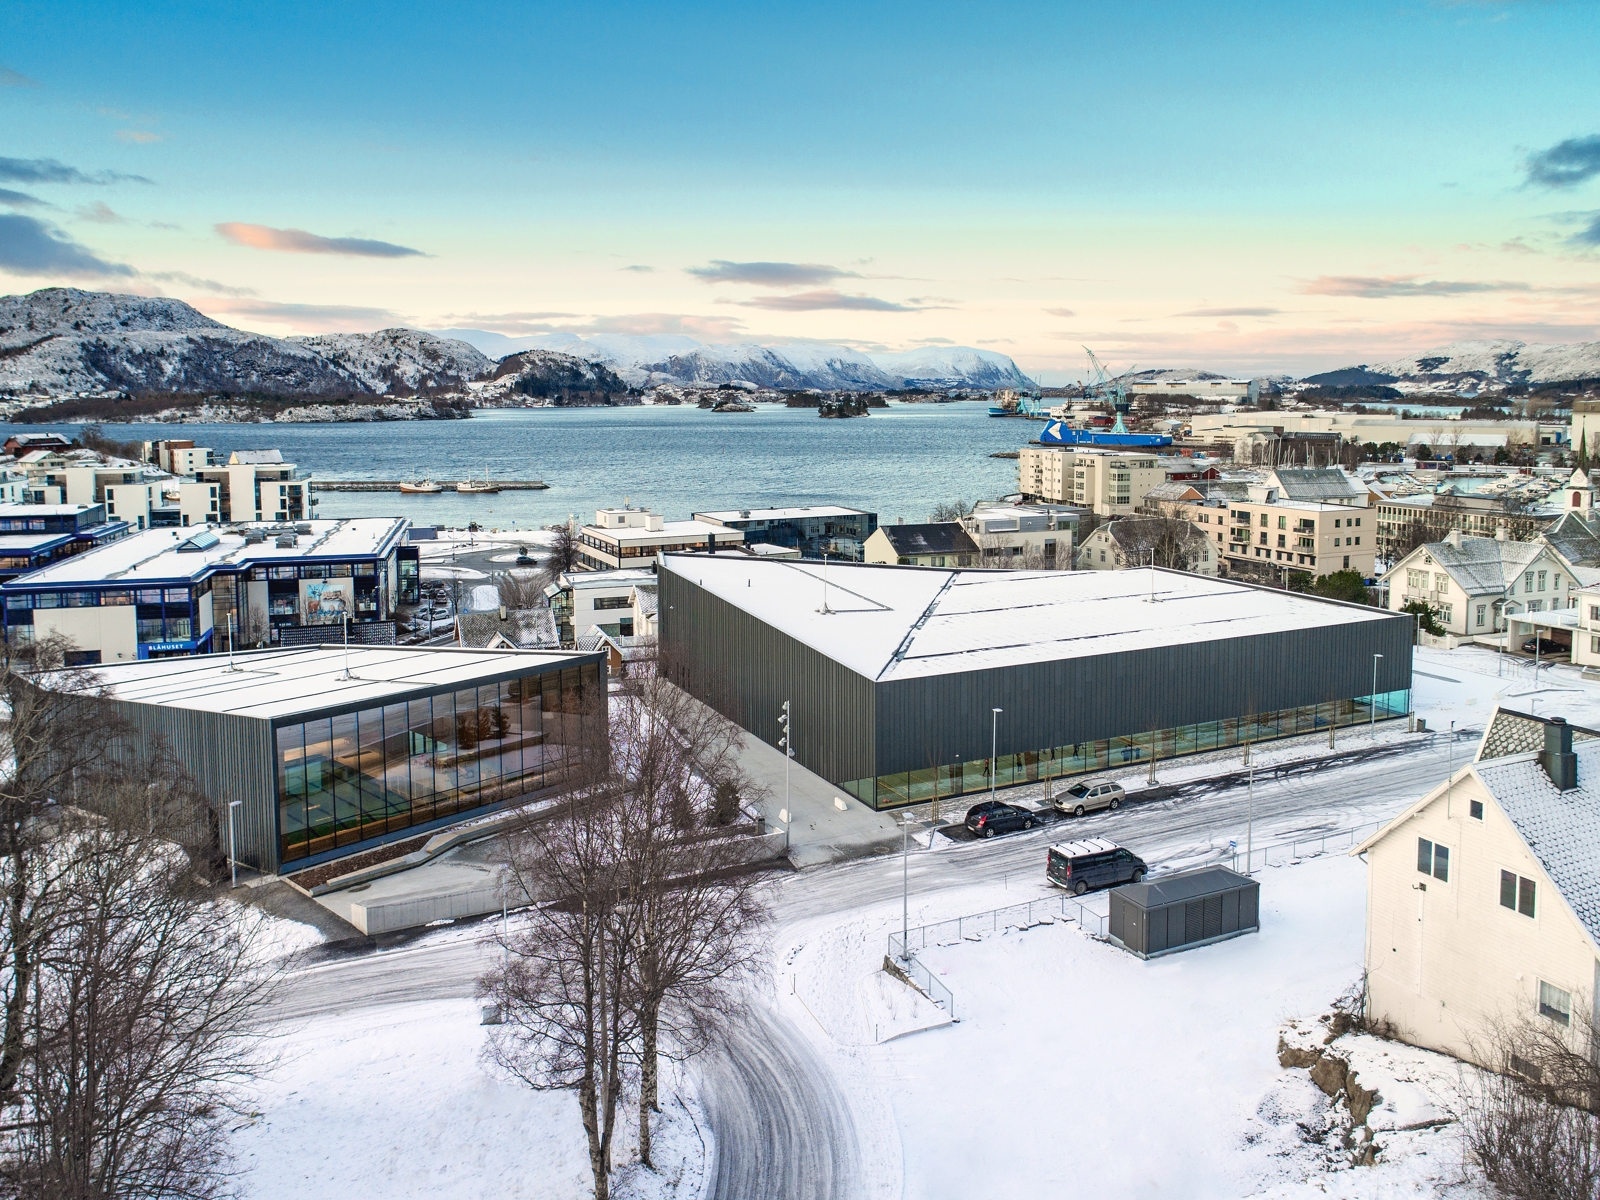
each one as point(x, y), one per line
point(993, 816)
point(1539, 646)
point(1092, 863)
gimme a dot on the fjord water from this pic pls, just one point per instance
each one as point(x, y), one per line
point(898, 462)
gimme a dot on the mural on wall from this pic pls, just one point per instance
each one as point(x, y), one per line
point(327, 601)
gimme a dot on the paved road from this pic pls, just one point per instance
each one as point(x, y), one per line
point(781, 1126)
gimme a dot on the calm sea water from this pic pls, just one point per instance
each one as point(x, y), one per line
point(898, 462)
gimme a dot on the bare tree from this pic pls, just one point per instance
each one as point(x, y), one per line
point(950, 510)
point(519, 591)
point(565, 551)
point(697, 908)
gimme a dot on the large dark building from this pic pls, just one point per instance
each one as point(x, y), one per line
point(894, 673)
point(331, 751)
point(814, 529)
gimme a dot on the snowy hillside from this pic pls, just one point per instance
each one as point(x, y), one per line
point(1462, 364)
point(676, 359)
point(402, 361)
point(65, 340)
point(548, 375)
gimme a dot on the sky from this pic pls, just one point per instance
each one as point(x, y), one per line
point(1243, 187)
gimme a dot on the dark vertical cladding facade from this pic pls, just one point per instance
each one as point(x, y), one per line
point(849, 727)
point(746, 669)
point(229, 757)
point(946, 718)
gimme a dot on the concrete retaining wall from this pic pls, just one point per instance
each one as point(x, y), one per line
point(388, 916)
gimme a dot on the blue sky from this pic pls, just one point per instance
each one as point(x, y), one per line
point(1239, 186)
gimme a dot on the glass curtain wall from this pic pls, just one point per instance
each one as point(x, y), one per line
point(1119, 753)
point(362, 775)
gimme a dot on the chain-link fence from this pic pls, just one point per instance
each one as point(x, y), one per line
point(1279, 853)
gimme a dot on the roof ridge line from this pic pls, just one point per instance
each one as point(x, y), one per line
point(927, 612)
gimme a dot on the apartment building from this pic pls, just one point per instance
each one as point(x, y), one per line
point(253, 485)
point(1022, 534)
point(1314, 520)
point(813, 529)
point(632, 537)
point(1111, 483)
point(936, 544)
point(621, 602)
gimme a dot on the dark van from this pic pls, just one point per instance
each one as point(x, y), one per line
point(1092, 863)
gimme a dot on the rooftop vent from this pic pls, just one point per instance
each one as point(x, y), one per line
point(254, 537)
point(303, 527)
point(286, 541)
point(1558, 760)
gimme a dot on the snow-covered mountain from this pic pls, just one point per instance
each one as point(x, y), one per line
point(548, 375)
point(402, 361)
point(669, 358)
point(63, 340)
point(1484, 364)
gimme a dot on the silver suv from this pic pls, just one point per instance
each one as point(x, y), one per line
point(1091, 795)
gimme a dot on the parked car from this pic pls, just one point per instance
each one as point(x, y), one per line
point(1091, 795)
point(524, 559)
point(995, 816)
point(1539, 646)
point(1092, 863)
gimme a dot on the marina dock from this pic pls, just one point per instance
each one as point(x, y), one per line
point(393, 485)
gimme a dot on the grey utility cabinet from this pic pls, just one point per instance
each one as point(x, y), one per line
point(1184, 910)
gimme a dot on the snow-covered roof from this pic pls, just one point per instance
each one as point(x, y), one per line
point(939, 537)
point(670, 531)
point(625, 578)
point(246, 458)
point(45, 510)
point(1183, 885)
point(1481, 566)
point(890, 623)
point(1317, 484)
point(1573, 539)
point(1086, 846)
point(272, 684)
point(525, 628)
point(779, 514)
point(183, 553)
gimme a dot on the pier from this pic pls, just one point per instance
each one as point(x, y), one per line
point(449, 485)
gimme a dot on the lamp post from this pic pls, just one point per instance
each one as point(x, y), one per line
point(1372, 700)
point(788, 753)
point(233, 861)
point(905, 886)
point(994, 741)
point(1250, 821)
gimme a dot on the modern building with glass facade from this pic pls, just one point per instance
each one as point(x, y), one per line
point(170, 592)
point(331, 751)
point(894, 673)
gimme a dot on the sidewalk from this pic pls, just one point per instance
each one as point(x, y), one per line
point(827, 823)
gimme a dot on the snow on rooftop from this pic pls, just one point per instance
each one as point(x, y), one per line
point(890, 623)
point(267, 684)
point(156, 554)
point(781, 514)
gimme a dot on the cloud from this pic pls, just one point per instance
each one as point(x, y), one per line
point(932, 342)
point(48, 170)
point(21, 200)
point(10, 78)
point(1386, 287)
point(204, 285)
point(640, 268)
point(1230, 312)
point(819, 301)
point(326, 318)
point(30, 247)
point(100, 213)
point(140, 136)
point(1589, 236)
point(298, 241)
point(1566, 164)
point(1061, 312)
point(769, 274)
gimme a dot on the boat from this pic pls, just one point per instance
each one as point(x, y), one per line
point(420, 487)
point(479, 487)
point(1102, 389)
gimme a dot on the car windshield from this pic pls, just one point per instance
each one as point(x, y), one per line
point(1078, 789)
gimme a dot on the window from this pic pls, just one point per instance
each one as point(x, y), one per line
point(1336, 522)
point(1527, 582)
point(1358, 522)
point(1594, 612)
point(1594, 645)
point(1542, 574)
point(1283, 522)
point(1417, 580)
point(1555, 1003)
point(1263, 520)
point(1441, 583)
point(1283, 539)
point(1557, 585)
point(612, 602)
point(1482, 611)
point(1447, 612)
point(1433, 860)
point(1476, 809)
point(1516, 893)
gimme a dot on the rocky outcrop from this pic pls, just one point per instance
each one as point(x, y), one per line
point(557, 380)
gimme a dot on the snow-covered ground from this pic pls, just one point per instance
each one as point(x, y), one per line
point(395, 1102)
point(1079, 1068)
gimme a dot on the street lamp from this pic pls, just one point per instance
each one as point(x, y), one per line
point(788, 753)
point(905, 886)
point(994, 740)
point(233, 860)
point(1372, 700)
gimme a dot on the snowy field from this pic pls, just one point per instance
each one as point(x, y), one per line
point(1077, 1068)
point(394, 1103)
